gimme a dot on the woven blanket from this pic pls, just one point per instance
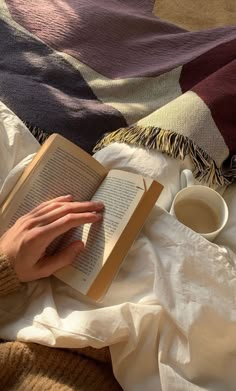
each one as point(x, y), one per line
point(88, 68)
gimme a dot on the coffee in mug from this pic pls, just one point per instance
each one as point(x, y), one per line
point(199, 207)
point(197, 215)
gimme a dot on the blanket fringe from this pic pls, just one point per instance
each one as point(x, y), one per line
point(176, 146)
point(40, 135)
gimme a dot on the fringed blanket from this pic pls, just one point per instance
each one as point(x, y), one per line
point(87, 68)
point(188, 126)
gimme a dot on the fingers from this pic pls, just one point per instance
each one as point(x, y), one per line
point(49, 265)
point(26, 241)
point(38, 210)
point(56, 211)
point(58, 227)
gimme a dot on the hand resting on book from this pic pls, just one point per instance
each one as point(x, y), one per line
point(128, 199)
point(26, 241)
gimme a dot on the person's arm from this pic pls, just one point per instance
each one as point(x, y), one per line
point(23, 246)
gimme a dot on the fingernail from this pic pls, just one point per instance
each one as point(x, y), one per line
point(80, 246)
point(98, 216)
point(68, 196)
point(100, 204)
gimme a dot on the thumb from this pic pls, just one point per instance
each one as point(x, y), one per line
point(49, 265)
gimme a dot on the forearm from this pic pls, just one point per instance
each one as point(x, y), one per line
point(9, 281)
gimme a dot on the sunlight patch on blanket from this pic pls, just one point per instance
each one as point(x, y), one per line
point(134, 98)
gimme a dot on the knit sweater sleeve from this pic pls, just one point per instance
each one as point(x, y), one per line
point(9, 281)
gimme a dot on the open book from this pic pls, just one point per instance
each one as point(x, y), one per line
point(61, 167)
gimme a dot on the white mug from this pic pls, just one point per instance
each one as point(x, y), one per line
point(199, 207)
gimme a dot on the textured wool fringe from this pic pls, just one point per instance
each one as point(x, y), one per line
point(40, 135)
point(175, 145)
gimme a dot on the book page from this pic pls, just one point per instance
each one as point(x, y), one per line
point(64, 169)
point(121, 192)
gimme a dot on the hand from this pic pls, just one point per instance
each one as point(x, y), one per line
point(26, 241)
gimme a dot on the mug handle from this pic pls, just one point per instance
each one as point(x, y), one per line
point(186, 178)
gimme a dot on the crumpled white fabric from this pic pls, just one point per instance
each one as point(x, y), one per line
point(169, 317)
point(227, 237)
point(17, 149)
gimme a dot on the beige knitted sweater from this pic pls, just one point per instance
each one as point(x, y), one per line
point(32, 367)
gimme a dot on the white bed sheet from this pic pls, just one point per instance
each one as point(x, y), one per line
point(227, 237)
point(169, 317)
